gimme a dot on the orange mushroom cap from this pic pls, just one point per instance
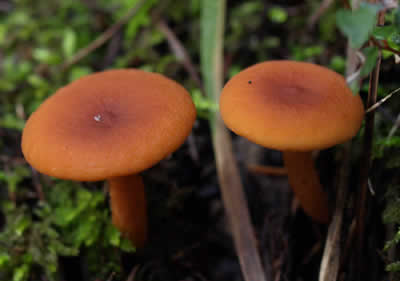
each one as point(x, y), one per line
point(108, 124)
point(288, 105)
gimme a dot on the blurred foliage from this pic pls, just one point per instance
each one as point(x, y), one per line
point(384, 152)
point(358, 25)
point(71, 220)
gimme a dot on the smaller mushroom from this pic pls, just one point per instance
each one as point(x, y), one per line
point(111, 125)
point(295, 107)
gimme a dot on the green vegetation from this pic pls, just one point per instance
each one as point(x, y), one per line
point(71, 221)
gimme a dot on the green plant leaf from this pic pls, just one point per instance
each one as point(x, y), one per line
point(338, 63)
point(46, 56)
point(21, 273)
point(4, 258)
point(393, 267)
point(211, 44)
point(203, 103)
point(78, 72)
point(394, 40)
point(277, 15)
point(371, 55)
point(142, 18)
point(11, 121)
point(383, 32)
point(69, 42)
point(358, 25)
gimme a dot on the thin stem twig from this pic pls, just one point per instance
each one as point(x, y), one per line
point(394, 128)
point(323, 7)
point(330, 264)
point(385, 46)
point(362, 198)
point(379, 103)
point(133, 273)
point(180, 52)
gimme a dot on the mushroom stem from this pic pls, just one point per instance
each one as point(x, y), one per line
point(304, 180)
point(128, 207)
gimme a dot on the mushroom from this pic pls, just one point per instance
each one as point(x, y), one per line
point(295, 107)
point(111, 125)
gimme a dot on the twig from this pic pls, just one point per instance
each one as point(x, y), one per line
point(104, 37)
point(379, 103)
point(180, 52)
point(318, 13)
point(394, 128)
point(365, 167)
point(132, 274)
point(330, 264)
point(111, 277)
point(348, 244)
point(362, 194)
point(112, 50)
point(193, 151)
point(350, 78)
point(385, 46)
point(182, 56)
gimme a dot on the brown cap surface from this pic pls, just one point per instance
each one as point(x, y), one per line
point(108, 124)
point(289, 105)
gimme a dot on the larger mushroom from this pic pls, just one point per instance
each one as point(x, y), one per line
point(111, 125)
point(295, 107)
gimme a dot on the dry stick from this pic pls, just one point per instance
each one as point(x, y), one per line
point(318, 13)
point(182, 56)
point(104, 37)
point(330, 263)
point(380, 102)
point(348, 245)
point(394, 128)
point(385, 45)
point(180, 52)
point(361, 203)
point(133, 273)
point(236, 206)
point(111, 277)
point(365, 167)
point(233, 196)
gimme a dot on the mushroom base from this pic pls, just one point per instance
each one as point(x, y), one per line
point(128, 205)
point(304, 180)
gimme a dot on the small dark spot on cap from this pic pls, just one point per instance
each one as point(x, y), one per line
point(250, 82)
